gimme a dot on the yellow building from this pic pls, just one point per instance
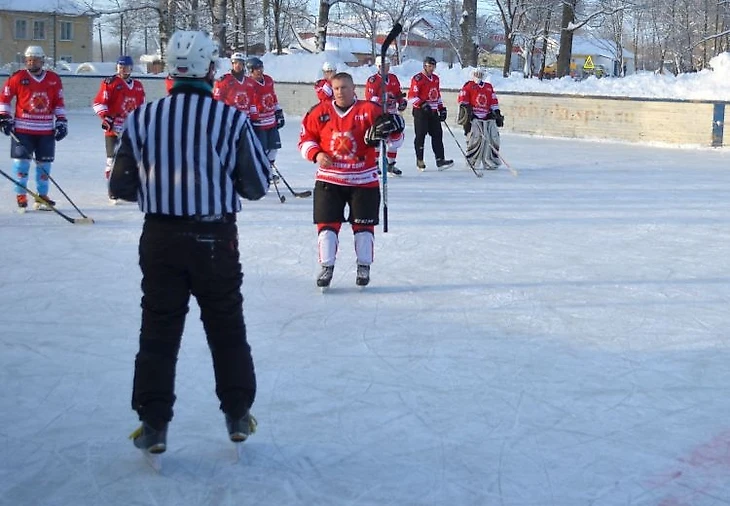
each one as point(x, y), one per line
point(63, 29)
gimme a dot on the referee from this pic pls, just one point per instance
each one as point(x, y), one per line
point(186, 159)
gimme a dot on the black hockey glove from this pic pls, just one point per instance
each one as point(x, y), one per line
point(279, 114)
point(61, 129)
point(384, 125)
point(426, 108)
point(498, 118)
point(442, 114)
point(6, 124)
point(402, 102)
point(107, 123)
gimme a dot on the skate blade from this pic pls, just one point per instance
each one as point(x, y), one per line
point(113, 202)
point(154, 460)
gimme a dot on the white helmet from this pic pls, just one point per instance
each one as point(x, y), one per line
point(328, 67)
point(34, 52)
point(379, 61)
point(190, 53)
point(478, 74)
point(238, 57)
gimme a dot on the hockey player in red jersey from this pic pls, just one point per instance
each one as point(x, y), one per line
point(234, 88)
point(342, 137)
point(480, 116)
point(266, 114)
point(40, 121)
point(395, 104)
point(169, 82)
point(428, 113)
point(323, 87)
point(118, 96)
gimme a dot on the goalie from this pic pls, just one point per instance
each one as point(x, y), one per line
point(480, 116)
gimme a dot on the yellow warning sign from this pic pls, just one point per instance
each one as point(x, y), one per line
point(588, 65)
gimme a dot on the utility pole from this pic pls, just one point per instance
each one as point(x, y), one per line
point(101, 44)
point(121, 33)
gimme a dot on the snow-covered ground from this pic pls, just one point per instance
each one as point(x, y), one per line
point(556, 338)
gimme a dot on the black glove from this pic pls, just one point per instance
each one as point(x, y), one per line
point(384, 125)
point(426, 108)
point(61, 128)
point(6, 124)
point(107, 123)
point(279, 114)
point(402, 104)
point(498, 118)
point(442, 114)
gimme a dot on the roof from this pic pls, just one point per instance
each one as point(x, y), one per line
point(58, 6)
point(597, 47)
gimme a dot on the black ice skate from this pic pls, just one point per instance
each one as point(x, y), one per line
point(241, 428)
point(442, 163)
point(392, 169)
point(149, 439)
point(363, 275)
point(421, 165)
point(325, 276)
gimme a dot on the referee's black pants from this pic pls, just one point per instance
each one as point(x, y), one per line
point(428, 123)
point(179, 258)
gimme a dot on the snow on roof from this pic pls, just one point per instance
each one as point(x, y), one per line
point(57, 6)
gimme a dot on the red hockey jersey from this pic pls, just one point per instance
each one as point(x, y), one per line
point(229, 90)
point(117, 98)
point(264, 103)
point(480, 96)
point(342, 136)
point(424, 90)
point(323, 89)
point(374, 90)
point(38, 101)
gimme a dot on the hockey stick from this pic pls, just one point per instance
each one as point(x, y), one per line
point(394, 32)
point(509, 167)
point(15, 138)
point(477, 173)
point(78, 221)
point(282, 198)
point(300, 195)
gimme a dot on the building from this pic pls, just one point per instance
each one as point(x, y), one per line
point(592, 56)
point(63, 28)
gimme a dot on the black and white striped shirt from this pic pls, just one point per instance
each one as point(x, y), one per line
point(189, 155)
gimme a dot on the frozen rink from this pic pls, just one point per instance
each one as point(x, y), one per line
point(557, 338)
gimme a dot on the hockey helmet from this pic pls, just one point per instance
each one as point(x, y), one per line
point(125, 61)
point(34, 52)
point(238, 57)
point(429, 60)
point(478, 74)
point(379, 61)
point(190, 54)
point(328, 67)
point(254, 63)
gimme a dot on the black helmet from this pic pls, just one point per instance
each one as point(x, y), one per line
point(430, 60)
point(254, 63)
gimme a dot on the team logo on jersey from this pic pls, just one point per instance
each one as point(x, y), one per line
point(268, 101)
point(129, 104)
point(241, 100)
point(433, 95)
point(481, 100)
point(38, 102)
point(343, 145)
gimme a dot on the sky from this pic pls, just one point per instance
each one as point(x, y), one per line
point(554, 338)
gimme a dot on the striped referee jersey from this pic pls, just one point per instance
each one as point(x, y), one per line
point(189, 155)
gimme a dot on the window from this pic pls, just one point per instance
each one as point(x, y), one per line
point(66, 30)
point(39, 30)
point(21, 29)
